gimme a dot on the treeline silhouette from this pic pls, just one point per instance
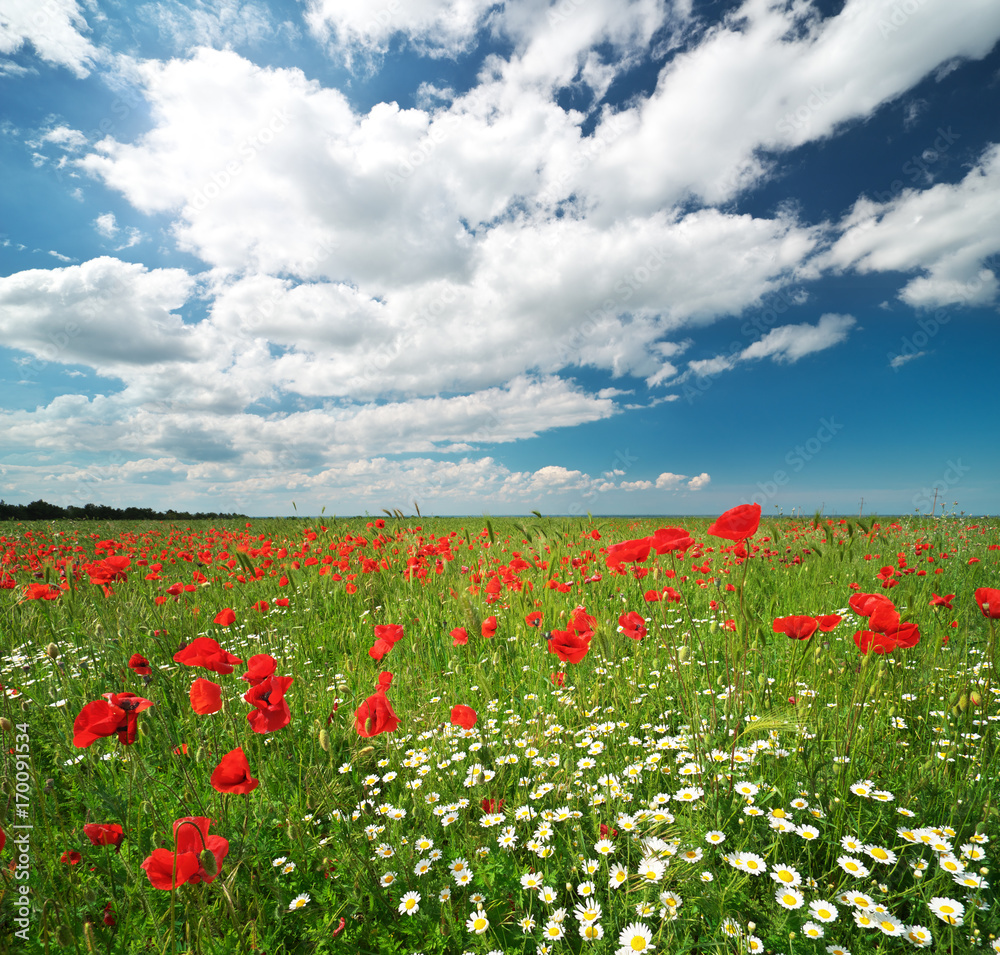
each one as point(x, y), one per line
point(43, 511)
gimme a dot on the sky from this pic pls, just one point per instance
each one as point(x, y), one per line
point(591, 256)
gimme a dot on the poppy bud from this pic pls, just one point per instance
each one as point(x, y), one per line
point(683, 654)
point(974, 698)
point(324, 741)
point(762, 681)
point(52, 651)
point(208, 862)
point(366, 751)
point(88, 936)
point(5, 724)
point(963, 703)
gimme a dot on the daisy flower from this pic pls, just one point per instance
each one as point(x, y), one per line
point(754, 864)
point(462, 878)
point(635, 937)
point(859, 900)
point(786, 875)
point(617, 876)
point(604, 847)
point(477, 922)
point(731, 929)
point(754, 945)
point(948, 910)
point(409, 904)
point(807, 832)
point(651, 869)
point(714, 837)
point(547, 894)
point(812, 930)
point(445, 894)
point(789, 898)
point(532, 880)
point(862, 788)
point(591, 931)
point(880, 854)
point(889, 924)
point(458, 865)
point(422, 867)
point(387, 879)
point(552, 931)
point(299, 902)
point(853, 866)
point(837, 950)
point(527, 923)
point(585, 889)
point(823, 911)
point(589, 912)
point(919, 936)
point(423, 844)
point(852, 845)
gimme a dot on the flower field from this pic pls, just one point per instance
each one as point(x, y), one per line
point(442, 735)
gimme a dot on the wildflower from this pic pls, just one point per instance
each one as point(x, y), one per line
point(232, 775)
point(271, 711)
point(604, 847)
point(862, 787)
point(754, 945)
point(547, 894)
point(553, 931)
point(116, 713)
point(422, 867)
point(880, 854)
point(477, 922)
point(789, 898)
point(617, 876)
point(167, 870)
point(527, 923)
point(387, 879)
point(715, 837)
point(288, 868)
point(823, 911)
point(948, 910)
point(919, 936)
point(786, 875)
point(635, 937)
point(409, 904)
point(812, 930)
point(651, 869)
point(591, 931)
point(299, 902)
point(749, 862)
point(532, 880)
point(853, 866)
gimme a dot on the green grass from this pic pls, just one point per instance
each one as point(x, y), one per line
point(711, 737)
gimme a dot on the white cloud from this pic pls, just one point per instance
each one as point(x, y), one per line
point(789, 343)
point(106, 224)
point(667, 480)
point(212, 22)
point(699, 482)
point(54, 28)
point(948, 231)
point(636, 485)
point(898, 361)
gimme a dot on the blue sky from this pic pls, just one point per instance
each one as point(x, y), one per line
point(595, 255)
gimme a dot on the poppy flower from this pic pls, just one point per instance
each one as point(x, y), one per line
point(140, 665)
point(232, 775)
point(582, 622)
point(489, 627)
point(464, 716)
point(738, 523)
point(206, 697)
point(628, 552)
point(459, 636)
point(386, 637)
point(870, 640)
point(945, 601)
point(108, 570)
point(109, 917)
point(167, 870)
point(864, 605)
point(271, 711)
point(796, 627)
point(70, 857)
point(828, 621)
point(259, 667)
point(558, 679)
point(652, 596)
point(492, 805)
point(668, 539)
point(988, 601)
point(375, 715)
point(206, 652)
point(117, 713)
point(41, 592)
point(225, 617)
point(568, 645)
point(104, 834)
point(534, 619)
point(633, 625)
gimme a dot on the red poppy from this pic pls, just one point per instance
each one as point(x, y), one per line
point(492, 805)
point(945, 601)
point(262, 606)
point(652, 596)
point(7, 582)
point(167, 870)
point(668, 539)
point(464, 716)
point(117, 713)
point(628, 552)
point(796, 627)
point(70, 857)
point(206, 696)
point(558, 679)
point(376, 714)
point(232, 775)
point(206, 652)
point(104, 834)
point(738, 523)
point(225, 617)
point(489, 627)
point(140, 665)
point(988, 601)
point(870, 640)
point(271, 711)
point(828, 621)
point(103, 572)
point(569, 646)
point(386, 637)
point(109, 918)
point(534, 619)
point(582, 622)
point(864, 605)
point(633, 625)
point(259, 667)
point(41, 592)
point(459, 636)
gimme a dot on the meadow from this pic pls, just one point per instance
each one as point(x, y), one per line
point(551, 735)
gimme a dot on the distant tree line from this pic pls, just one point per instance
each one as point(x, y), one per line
point(43, 511)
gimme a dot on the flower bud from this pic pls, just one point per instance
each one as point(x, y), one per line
point(208, 862)
point(324, 741)
point(5, 724)
point(52, 651)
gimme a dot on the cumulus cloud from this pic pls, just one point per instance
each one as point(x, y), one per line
point(789, 343)
point(948, 231)
point(53, 29)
